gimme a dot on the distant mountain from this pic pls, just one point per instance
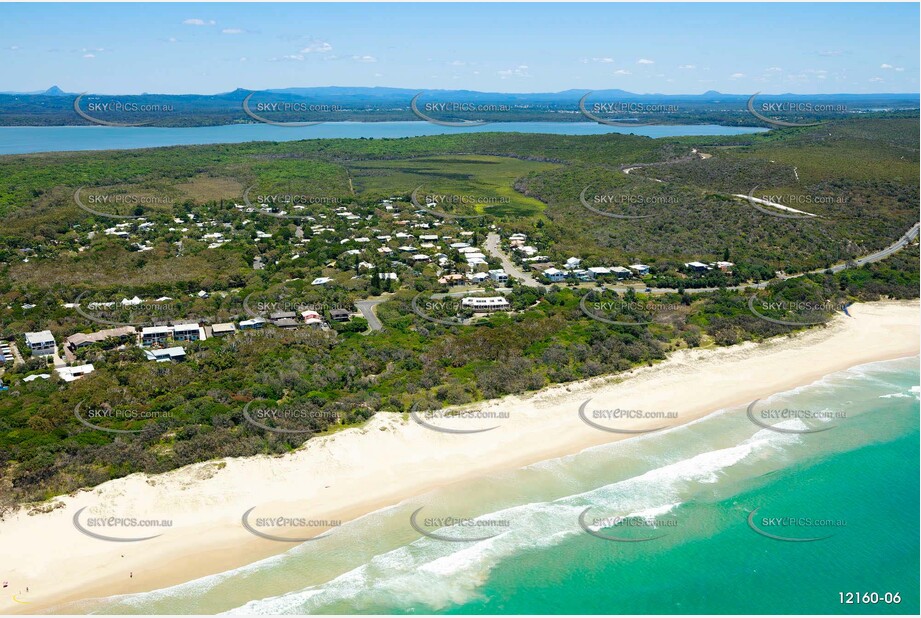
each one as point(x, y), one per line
point(54, 91)
point(378, 94)
point(356, 103)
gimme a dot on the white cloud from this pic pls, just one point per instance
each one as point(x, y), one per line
point(830, 53)
point(899, 69)
point(233, 31)
point(243, 59)
point(773, 70)
point(689, 67)
point(199, 22)
point(737, 76)
point(89, 55)
point(885, 66)
point(458, 63)
point(378, 75)
point(364, 59)
point(13, 47)
point(297, 57)
point(604, 60)
point(520, 71)
point(622, 72)
point(876, 79)
point(645, 61)
point(317, 46)
point(172, 39)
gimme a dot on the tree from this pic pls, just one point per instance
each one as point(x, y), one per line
point(376, 282)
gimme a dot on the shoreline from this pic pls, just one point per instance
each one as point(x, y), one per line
point(206, 501)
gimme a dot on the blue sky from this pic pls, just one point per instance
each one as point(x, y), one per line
point(667, 48)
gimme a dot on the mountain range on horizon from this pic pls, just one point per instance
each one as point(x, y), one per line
point(383, 93)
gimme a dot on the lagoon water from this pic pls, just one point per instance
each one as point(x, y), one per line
point(705, 478)
point(21, 140)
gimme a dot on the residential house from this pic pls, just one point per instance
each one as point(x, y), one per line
point(498, 275)
point(312, 318)
point(154, 335)
point(453, 279)
point(41, 343)
point(485, 304)
point(187, 332)
point(79, 340)
point(697, 267)
point(226, 328)
point(251, 324)
point(554, 275)
point(69, 374)
point(281, 315)
point(164, 355)
point(599, 271)
point(640, 269)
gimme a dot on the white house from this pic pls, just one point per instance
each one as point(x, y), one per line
point(487, 304)
point(253, 323)
point(697, 266)
point(573, 262)
point(620, 272)
point(41, 343)
point(498, 275)
point(640, 269)
point(554, 274)
point(187, 332)
point(165, 355)
point(151, 335)
point(69, 374)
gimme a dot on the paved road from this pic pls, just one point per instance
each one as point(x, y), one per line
point(906, 239)
point(882, 254)
point(367, 310)
point(492, 247)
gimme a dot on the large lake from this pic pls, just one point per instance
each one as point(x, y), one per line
point(19, 140)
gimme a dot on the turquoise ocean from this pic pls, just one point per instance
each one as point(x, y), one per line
point(691, 548)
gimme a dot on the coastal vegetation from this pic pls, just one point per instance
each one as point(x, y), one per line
point(53, 252)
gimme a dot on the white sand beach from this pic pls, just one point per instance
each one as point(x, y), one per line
point(392, 458)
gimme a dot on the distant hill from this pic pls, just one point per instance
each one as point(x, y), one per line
point(55, 107)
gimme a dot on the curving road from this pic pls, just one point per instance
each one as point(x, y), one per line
point(367, 310)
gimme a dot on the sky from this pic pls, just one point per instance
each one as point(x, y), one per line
point(646, 48)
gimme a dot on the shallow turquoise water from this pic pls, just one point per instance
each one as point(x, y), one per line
point(701, 481)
